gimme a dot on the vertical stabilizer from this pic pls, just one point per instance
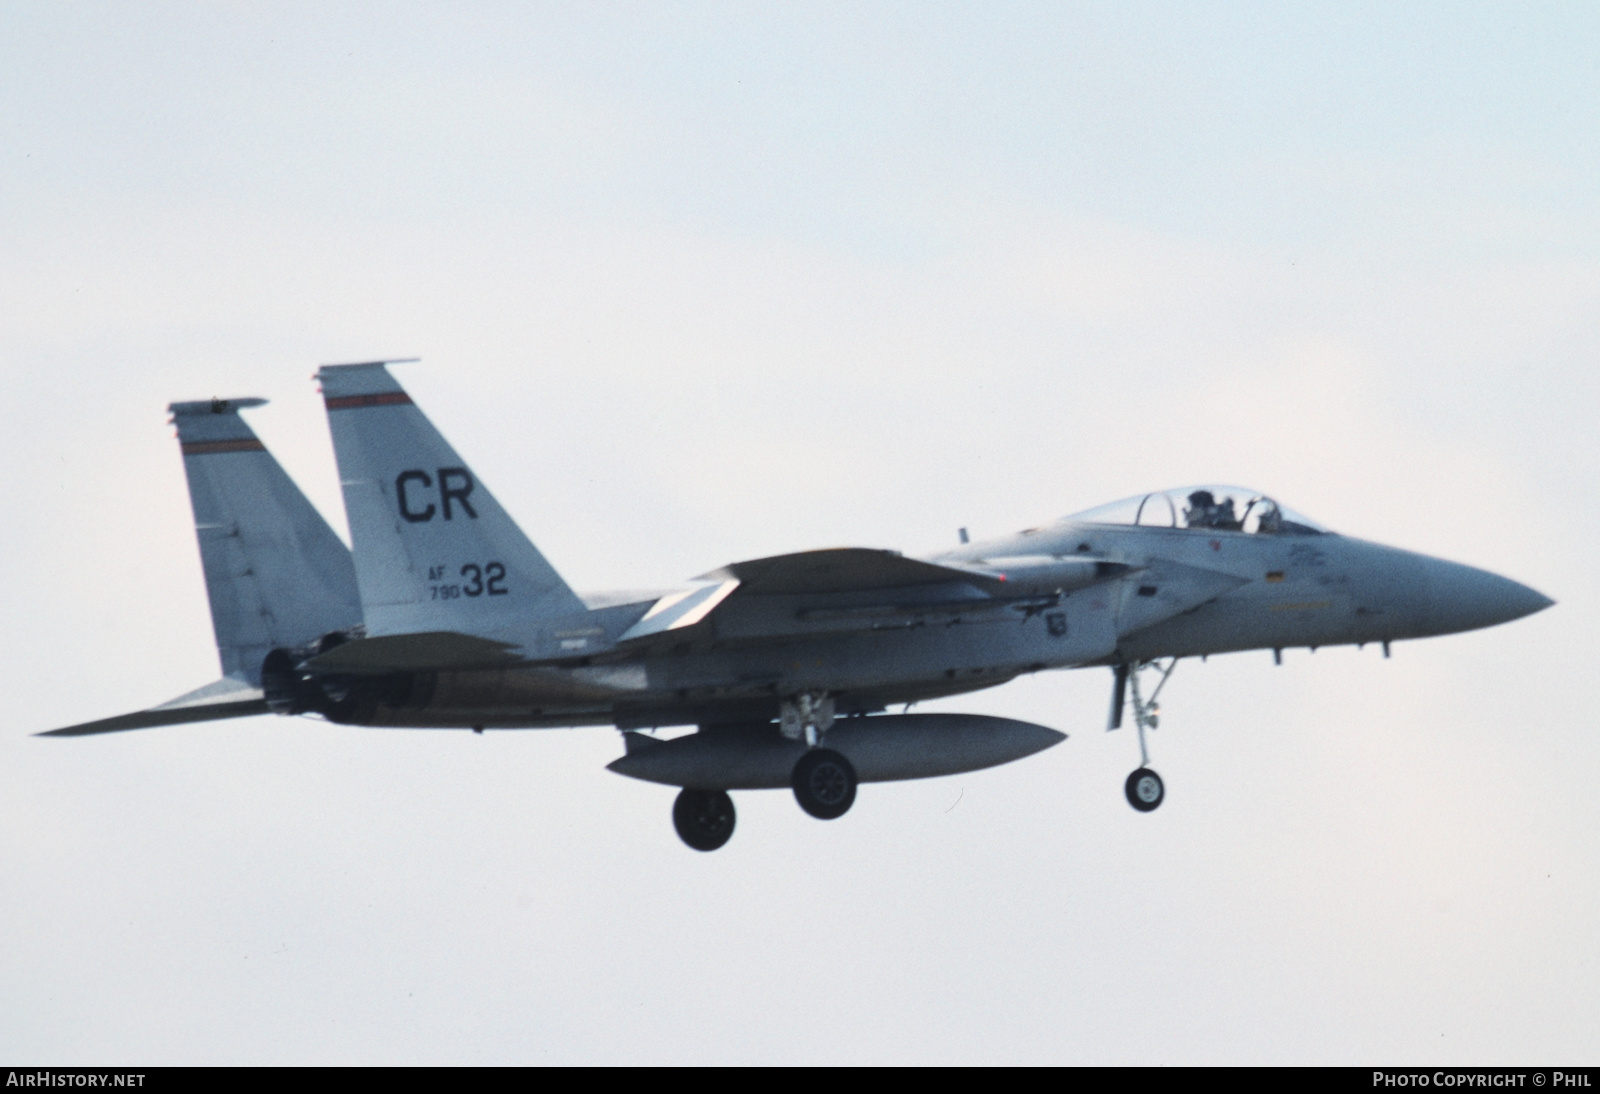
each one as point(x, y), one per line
point(433, 549)
point(276, 574)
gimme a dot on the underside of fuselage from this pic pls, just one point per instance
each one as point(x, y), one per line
point(647, 713)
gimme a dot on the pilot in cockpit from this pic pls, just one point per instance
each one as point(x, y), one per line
point(1204, 511)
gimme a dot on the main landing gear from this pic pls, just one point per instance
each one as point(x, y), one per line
point(824, 781)
point(806, 717)
point(704, 818)
point(1144, 788)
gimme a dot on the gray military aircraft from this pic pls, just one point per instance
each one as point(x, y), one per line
point(445, 615)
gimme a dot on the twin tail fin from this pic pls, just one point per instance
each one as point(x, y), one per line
point(276, 574)
point(434, 551)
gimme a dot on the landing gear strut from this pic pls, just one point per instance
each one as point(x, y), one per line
point(704, 818)
point(824, 783)
point(806, 716)
point(1144, 787)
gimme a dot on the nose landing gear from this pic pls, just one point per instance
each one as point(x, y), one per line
point(1144, 787)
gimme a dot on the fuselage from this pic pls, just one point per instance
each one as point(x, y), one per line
point(1169, 592)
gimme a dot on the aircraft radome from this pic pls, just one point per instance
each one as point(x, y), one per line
point(444, 615)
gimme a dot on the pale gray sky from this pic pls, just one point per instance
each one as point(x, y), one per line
point(695, 283)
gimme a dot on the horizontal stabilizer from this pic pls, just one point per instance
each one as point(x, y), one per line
point(415, 653)
point(839, 570)
point(227, 698)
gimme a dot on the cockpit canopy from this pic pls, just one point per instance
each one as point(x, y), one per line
point(1215, 508)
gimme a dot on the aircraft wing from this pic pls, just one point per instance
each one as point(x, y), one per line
point(830, 571)
point(227, 698)
point(840, 570)
point(850, 588)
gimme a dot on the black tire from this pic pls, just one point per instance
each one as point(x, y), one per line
point(704, 818)
point(1145, 790)
point(824, 783)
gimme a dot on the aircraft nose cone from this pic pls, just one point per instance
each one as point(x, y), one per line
point(1463, 598)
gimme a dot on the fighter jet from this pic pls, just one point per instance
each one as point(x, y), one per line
point(443, 614)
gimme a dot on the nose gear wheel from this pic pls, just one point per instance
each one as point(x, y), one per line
point(1145, 790)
